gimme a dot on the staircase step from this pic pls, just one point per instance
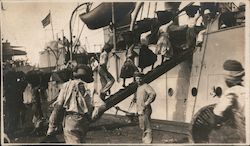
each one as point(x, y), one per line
point(149, 77)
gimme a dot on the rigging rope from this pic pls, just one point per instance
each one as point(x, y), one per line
point(155, 9)
point(77, 40)
point(141, 12)
point(202, 61)
point(148, 9)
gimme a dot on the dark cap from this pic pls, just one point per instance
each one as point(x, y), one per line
point(232, 65)
point(86, 76)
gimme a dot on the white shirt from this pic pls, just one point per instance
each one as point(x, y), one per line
point(104, 58)
point(75, 97)
point(234, 96)
point(145, 95)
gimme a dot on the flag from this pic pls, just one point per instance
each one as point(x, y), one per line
point(46, 20)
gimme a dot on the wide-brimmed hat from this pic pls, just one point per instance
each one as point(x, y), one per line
point(232, 65)
point(86, 75)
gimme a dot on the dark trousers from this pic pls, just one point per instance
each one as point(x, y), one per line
point(191, 37)
point(145, 125)
point(107, 80)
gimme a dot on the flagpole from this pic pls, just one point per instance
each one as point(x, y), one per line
point(52, 26)
point(62, 33)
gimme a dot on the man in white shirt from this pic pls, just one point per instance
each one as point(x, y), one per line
point(145, 95)
point(107, 80)
point(74, 106)
point(232, 104)
point(193, 16)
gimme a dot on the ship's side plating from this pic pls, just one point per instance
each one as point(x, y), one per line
point(194, 83)
point(207, 72)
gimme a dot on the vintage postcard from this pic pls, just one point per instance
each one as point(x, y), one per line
point(124, 72)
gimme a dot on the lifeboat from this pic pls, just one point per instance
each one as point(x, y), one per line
point(101, 16)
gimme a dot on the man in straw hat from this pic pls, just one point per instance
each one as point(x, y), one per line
point(75, 102)
point(193, 14)
point(207, 18)
point(233, 100)
point(145, 95)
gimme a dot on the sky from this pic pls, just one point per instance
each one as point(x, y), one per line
point(21, 25)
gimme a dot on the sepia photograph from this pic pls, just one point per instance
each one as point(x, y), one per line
point(124, 72)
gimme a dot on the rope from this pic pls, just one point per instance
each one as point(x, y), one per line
point(119, 109)
point(202, 61)
point(148, 9)
point(141, 12)
point(155, 9)
point(77, 40)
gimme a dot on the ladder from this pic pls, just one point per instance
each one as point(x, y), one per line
point(149, 77)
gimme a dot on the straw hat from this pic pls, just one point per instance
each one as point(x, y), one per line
point(207, 11)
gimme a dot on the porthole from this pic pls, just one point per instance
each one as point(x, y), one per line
point(194, 91)
point(218, 91)
point(170, 92)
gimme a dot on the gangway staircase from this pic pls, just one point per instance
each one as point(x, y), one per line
point(149, 77)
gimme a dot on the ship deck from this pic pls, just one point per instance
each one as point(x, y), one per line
point(113, 129)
